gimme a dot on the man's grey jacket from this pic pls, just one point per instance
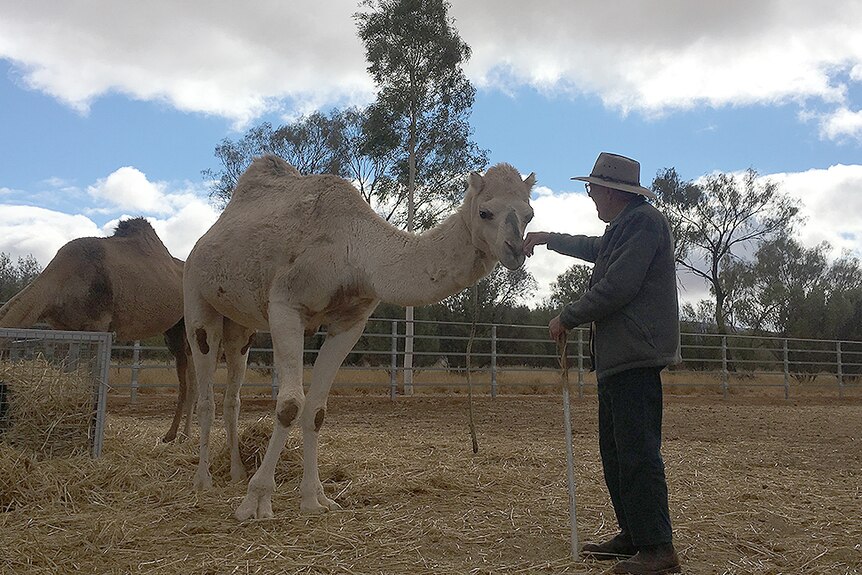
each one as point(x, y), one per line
point(632, 299)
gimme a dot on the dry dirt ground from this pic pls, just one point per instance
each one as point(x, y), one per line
point(757, 486)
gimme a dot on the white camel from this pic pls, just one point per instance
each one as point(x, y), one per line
point(291, 253)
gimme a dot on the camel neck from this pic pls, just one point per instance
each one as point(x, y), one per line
point(409, 269)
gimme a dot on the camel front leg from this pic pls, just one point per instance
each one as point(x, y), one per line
point(329, 359)
point(286, 327)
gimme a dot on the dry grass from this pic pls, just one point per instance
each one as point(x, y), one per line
point(757, 486)
point(510, 380)
point(50, 409)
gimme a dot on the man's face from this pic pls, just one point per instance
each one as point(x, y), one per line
point(601, 196)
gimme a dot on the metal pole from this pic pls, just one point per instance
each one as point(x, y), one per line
point(840, 372)
point(136, 363)
point(724, 378)
point(393, 367)
point(493, 361)
point(786, 372)
point(104, 351)
point(408, 350)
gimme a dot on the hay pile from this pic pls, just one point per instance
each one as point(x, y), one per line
point(758, 490)
point(47, 409)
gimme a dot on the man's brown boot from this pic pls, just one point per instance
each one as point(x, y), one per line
point(620, 547)
point(652, 560)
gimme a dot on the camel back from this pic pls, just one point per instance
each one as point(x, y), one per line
point(128, 283)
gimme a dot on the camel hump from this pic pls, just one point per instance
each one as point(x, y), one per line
point(133, 227)
point(262, 173)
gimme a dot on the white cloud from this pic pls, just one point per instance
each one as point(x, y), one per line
point(832, 206)
point(128, 189)
point(180, 214)
point(26, 230)
point(842, 123)
point(238, 61)
point(230, 59)
point(566, 212)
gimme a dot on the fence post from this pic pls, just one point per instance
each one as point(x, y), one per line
point(493, 361)
point(840, 372)
point(393, 367)
point(103, 365)
point(136, 366)
point(580, 363)
point(786, 371)
point(724, 379)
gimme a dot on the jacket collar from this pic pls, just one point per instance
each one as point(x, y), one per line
point(632, 205)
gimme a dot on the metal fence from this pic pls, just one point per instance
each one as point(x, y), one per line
point(53, 389)
point(521, 358)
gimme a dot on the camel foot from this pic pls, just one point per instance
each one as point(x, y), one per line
point(254, 506)
point(169, 436)
point(318, 504)
point(238, 473)
point(203, 480)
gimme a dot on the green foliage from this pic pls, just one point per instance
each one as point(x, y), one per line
point(570, 285)
point(795, 291)
point(16, 276)
point(715, 221)
point(423, 102)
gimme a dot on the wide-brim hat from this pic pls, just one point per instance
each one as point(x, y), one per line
point(617, 172)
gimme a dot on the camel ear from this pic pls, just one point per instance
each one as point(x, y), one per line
point(476, 181)
point(530, 180)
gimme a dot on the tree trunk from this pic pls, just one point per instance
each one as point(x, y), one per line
point(411, 208)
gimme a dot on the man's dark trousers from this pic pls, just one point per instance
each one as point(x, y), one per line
point(630, 413)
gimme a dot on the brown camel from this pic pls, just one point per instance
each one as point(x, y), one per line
point(127, 283)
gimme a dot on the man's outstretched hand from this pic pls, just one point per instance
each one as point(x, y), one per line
point(534, 239)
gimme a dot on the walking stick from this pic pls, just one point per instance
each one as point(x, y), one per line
point(468, 356)
point(570, 466)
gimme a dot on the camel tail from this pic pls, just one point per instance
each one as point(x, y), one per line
point(23, 310)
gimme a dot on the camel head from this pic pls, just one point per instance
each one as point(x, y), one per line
point(499, 209)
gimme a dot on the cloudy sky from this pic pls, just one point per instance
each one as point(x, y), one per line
point(113, 109)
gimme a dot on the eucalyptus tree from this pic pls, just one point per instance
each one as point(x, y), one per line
point(779, 284)
point(719, 220)
point(570, 285)
point(314, 144)
point(15, 276)
point(415, 57)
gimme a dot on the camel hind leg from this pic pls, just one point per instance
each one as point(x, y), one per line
point(204, 331)
point(237, 341)
point(175, 339)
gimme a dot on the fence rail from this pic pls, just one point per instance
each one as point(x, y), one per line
point(522, 356)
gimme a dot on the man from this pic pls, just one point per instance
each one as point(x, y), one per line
point(631, 305)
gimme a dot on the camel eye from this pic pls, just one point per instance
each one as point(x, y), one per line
point(486, 215)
